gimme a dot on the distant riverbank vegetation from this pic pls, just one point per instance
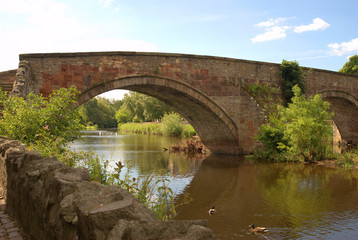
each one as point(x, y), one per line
point(171, 125)
point(135, 113)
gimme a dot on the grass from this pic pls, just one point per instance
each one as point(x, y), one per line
point(348, 159)
point(154, 128)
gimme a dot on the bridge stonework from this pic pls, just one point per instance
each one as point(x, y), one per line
point(208, 91)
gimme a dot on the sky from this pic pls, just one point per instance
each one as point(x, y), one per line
point(319, 34)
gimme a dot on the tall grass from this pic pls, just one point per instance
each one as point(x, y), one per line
point(142, 128)
point(187, 130)
point(348, 159)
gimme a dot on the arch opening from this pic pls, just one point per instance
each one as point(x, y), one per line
point(345, 108)
point(215, 128)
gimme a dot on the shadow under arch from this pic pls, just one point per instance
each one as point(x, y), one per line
point(214, 126)
point(345, 108)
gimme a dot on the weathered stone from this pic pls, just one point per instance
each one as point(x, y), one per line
point(7, 80)
point(197, 232)
point(161, 230)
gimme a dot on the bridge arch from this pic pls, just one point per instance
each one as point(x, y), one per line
point(345, 108)
point(215, 127)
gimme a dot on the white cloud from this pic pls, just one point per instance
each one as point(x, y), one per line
point(273, 30)
point(271, 22)
point(317, 24)
point(273, 33)
point(344, 47)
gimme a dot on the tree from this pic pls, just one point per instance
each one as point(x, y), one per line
point(302, 131)
point(351, 66)
point(139, 107)
point(122, 116)
point(100, 111)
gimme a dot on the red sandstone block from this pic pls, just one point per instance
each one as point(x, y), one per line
point(77, 78)
point(64, 68)
point(130, 71)
point(68, 77)
point(58, 77)
point(72, 67)
point(47, 76)
point(110, 70)
point(94, 69)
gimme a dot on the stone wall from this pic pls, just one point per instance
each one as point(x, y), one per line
point(7, 80)
point(52, 201)
point(23, 81)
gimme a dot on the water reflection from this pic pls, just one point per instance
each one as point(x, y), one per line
point(142, 155)
point(293, 201)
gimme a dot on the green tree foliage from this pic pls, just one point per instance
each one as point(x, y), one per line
point(138, 107)
point(300, 132)
point(271, 136)
point(292, 75)
point(351, 66)
point(123, 116)
point(100, 112)
point(36, 118)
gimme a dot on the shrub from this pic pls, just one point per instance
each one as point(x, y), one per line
point(172, 124)
point(36, 118)
point(302, 131)
point(188, 131)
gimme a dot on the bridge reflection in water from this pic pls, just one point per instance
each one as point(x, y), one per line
point(292, 200)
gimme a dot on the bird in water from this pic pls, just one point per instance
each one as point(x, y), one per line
point(258, 229)
point(212, 210)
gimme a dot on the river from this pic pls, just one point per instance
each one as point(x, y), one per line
point(293, 201)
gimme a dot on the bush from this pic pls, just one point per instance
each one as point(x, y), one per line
point(172, 124)
point(188, 131)
point(37, 118)
point(300, 132)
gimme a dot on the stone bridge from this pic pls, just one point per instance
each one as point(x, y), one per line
point(209, 92)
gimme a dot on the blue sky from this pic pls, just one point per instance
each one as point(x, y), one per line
point(316, 33)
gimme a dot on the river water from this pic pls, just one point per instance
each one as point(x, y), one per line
point(293, 201)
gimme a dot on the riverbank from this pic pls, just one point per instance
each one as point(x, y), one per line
point(179, 130)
